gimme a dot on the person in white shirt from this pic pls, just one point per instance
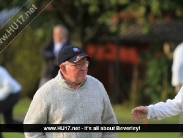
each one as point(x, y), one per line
point(170, 107)
point(50, 52)
point(177, 71)
point(177, 68)
point(9, 96)
point(160, 110)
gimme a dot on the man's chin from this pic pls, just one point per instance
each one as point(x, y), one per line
point(82, 79)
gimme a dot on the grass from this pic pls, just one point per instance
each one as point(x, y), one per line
point(123, 114)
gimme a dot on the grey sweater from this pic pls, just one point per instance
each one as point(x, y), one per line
point(57, 103)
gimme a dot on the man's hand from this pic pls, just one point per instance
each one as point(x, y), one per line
point(139, 113)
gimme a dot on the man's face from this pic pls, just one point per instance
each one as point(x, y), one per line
point(58, 35)
point(76, 73)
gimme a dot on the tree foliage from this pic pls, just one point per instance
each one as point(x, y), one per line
point(86, 20)
point(157, 79)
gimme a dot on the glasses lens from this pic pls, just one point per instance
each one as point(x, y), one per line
point(86, 64)
point(79, 65)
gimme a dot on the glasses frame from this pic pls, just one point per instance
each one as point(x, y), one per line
point(79, 65)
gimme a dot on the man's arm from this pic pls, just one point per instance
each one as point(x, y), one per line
point(139, 113)
point(160, 110)
point(108, 116)
point(37, 114)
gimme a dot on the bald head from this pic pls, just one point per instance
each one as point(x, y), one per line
point(59, 33)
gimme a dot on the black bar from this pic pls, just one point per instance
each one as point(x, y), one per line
point(91, 128)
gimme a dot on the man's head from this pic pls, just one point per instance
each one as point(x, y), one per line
point(73, 63)
point(59, 33)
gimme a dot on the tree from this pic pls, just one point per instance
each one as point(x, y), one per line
point(87, 20)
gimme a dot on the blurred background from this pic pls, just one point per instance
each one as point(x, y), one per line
point(131, 43)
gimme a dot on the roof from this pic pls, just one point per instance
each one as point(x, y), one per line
point(169, 31)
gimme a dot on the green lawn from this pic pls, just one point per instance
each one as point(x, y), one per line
point(123, 114)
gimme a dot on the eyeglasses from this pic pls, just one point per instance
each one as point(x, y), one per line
point(79, 65)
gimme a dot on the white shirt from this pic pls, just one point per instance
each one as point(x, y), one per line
point(58, 46)
point(167, 109)
point(8, 84)
point(177, 67)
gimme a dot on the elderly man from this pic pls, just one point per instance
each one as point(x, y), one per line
point(72, 97)
point(50, 52)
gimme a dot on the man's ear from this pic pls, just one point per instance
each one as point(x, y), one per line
point(63, 69)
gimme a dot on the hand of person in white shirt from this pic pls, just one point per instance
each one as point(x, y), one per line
point(139, 113)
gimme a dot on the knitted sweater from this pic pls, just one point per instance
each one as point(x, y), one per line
point(57, 103)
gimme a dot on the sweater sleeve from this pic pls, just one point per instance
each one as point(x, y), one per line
point(37, 114)
point(166, 109)
point(108, 116)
